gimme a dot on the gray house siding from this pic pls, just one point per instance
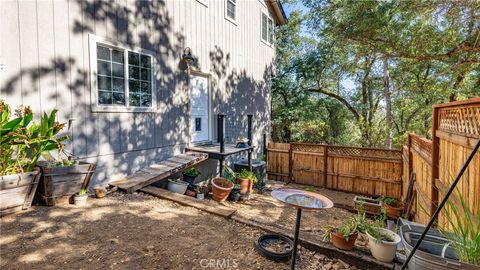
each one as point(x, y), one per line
point(45, 64)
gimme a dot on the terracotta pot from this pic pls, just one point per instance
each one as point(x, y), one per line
point(339, 241)
point(393, 212)
point(244, 185)
point(190, 193)
point(100, 192)
point(250, 186)
point(221, 187)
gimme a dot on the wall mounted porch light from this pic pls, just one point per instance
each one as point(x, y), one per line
point(187, 56)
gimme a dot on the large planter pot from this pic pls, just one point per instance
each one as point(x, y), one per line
point(59, 184)
point(393, 212)
point(17, 191)
point(370, 205)
point(221, 187)
point(384, 250)
point(177, 186)
point(340, 242)
point(435, 251)
point(244, 185)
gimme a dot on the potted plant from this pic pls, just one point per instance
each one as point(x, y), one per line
point(22, 142)
point(370, 205)
point(393, 207)
point(343, 237)
point(100, 192)
point(190, 174)
point(246, 179)
point(458, 248)
point(61, 178)
point(221, 187)
point(177, 186)
point(235, 195)
point(201, 191)
point(382, 243)
point(80, 199)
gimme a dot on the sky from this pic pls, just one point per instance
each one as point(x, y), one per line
point(347, 83)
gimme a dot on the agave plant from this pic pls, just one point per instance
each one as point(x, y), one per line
point(22, 141)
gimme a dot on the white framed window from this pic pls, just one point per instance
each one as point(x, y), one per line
point(122, 78)
point(231, 10)
point(267, 29)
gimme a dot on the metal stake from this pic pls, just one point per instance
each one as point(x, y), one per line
point(295, 239)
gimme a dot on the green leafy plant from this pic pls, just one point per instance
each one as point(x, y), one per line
point(347, 229)
point(192, 171)
point(465, 229)
point(246, 174)
point(203, 187)
point(23, 141)
point(391, 201)
point(311, 189)
point(229, 174)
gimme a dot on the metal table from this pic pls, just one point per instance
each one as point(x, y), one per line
point(214, 151)
point(301, 200)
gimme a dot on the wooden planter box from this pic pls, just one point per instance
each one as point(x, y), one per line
point(59, 184)
point(370, 205)
point(17, 191)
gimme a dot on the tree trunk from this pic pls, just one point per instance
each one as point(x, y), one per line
point(388, 104)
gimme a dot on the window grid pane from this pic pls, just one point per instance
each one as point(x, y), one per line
point(231, 9)
point(270, 31)
point(110, 73)
point(140, 80)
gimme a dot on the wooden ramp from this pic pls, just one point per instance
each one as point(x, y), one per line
point(217, 209)
point(158, 171)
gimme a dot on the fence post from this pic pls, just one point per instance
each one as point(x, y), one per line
point(435, 160)
point(290, 163)
point(325, 165)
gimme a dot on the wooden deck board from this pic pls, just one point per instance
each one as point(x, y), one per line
point(219, 210)
point(158, 171)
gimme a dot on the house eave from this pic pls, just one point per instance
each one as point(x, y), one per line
point(279, 12)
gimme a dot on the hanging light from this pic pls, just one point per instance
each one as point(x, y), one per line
point(187, 56)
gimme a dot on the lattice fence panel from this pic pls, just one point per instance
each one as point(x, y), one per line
point(463, 120)
point(365, 152)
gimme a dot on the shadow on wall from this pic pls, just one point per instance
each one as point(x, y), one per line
point(121, 143)
point(236, 94)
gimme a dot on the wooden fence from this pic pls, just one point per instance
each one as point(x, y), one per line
point(353, 169)
point(456, 128)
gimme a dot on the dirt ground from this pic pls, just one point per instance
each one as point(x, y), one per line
point(264, 209)
point(138, 231)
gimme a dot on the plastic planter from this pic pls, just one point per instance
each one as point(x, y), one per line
point(177, 186)
point(384, 250)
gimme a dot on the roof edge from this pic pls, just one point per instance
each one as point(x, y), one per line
point(280, 16)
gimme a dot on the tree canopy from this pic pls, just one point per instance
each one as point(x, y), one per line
point(367, 72)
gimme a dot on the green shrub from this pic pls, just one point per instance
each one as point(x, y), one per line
point(23, 141)
point(246, 174)
point(192, 171)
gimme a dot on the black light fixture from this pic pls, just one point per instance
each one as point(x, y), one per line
point(187, 56)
